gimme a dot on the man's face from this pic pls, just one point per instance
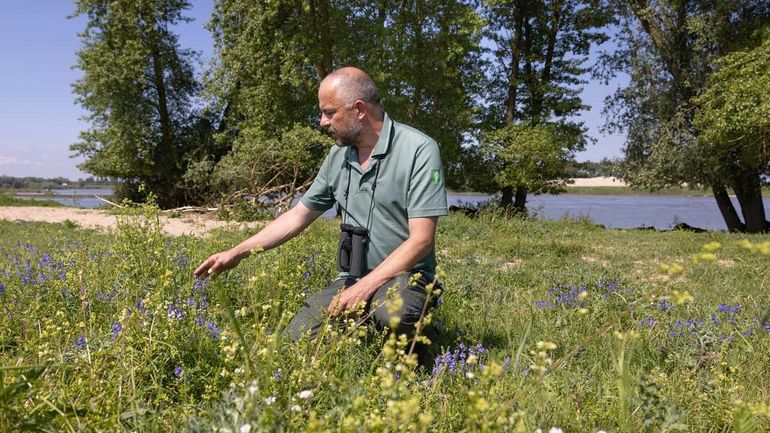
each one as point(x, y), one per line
point(340, 120)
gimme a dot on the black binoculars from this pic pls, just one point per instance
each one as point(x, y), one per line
point(352, 250)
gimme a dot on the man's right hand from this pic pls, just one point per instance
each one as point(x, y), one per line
point(218, 263)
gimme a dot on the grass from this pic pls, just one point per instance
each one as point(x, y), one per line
point(11, 200)
point(629, 191)
point(543, 324)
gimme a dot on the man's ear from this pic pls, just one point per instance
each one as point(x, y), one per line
point(361, 108)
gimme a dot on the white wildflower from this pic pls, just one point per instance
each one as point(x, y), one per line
point(306, 394)
point(270, 400)
point(555, 430)
point(246, 428)
point(296, 408)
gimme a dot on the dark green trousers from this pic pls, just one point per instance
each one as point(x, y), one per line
point(314, 313)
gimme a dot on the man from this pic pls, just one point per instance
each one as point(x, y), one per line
point(388, 180)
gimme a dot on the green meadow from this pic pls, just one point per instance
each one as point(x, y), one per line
point(542, 325)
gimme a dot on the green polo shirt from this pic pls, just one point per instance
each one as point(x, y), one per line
point(410, 183)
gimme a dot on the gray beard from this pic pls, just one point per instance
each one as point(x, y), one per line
point(350, 139)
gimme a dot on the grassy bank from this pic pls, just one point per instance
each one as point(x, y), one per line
point(11, 200)
point(626, 191)
point(543, 324)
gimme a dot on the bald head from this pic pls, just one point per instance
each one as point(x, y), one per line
point(351, 84)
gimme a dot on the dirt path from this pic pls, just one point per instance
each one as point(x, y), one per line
point(188, 224)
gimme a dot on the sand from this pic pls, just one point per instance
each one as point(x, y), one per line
point(194, 224)
point(598, 181)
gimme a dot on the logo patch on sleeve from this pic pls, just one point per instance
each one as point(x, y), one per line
point(435, 176)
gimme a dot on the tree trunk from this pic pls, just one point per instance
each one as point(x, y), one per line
point(734, 224)
point(513, 81)
point(166, 154)
point(520, 202)
point(323, 27)
point(748, 190)
point(506, 201)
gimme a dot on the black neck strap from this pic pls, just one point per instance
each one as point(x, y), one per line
point(378, 161)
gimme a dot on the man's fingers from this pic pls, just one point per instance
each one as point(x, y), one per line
point(200, 269)
point(198, 272)
point(335, 306)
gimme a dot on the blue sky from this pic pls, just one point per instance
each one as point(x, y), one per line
point(39, 118)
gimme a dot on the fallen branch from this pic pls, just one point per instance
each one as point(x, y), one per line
point(191, 209)
point(108, 202)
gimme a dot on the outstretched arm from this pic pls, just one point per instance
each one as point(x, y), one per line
point(422, 232)
point(278, 231)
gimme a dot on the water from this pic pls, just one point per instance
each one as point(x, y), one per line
point(631, 211)
point(658, 211)
point(71, 197)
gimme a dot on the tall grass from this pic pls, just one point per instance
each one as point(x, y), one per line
point(542, 325)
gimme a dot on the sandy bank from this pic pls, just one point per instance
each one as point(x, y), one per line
point(598, 181)
point(188, 224)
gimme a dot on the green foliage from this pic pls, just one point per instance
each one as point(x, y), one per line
point(16, 418)
point(734, 111)
point(531, 156)
point(606, 167)
point(137, 87)
point(270, 171)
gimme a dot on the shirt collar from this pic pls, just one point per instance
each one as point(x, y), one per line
point(383, 143)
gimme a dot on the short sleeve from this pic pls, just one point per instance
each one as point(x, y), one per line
point(319, 196)
point(427, 189)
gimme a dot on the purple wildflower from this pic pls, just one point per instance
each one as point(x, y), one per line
point(178, 371)
point(649, 322)
point(81, 343)
point(455, 360)
point(277, 374)
point(212, 327)
point(116, 328)
point(175, 313)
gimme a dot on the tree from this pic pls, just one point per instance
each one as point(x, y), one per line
point(669, 48)
point(533, 157)
point(137, 86)
point(733, 116)
point(271, 57)
point(538, 50)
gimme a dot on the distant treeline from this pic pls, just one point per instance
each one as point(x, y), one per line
point(604, 168)
point(10, 182)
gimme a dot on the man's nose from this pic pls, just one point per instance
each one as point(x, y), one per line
point(325, 121)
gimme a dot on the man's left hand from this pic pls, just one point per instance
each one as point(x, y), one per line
point(349, 299)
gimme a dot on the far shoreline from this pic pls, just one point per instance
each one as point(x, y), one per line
point(616, 187)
